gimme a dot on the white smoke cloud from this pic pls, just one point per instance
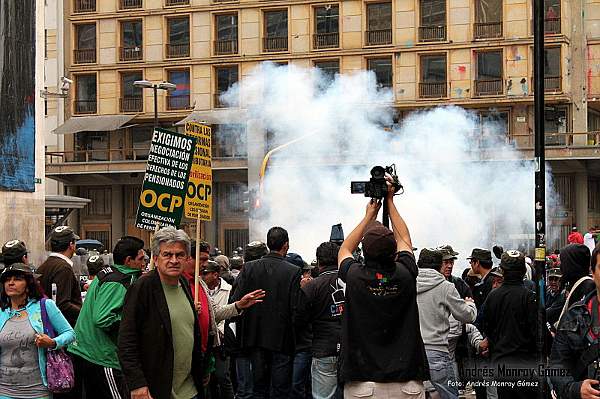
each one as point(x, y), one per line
point(453, 193)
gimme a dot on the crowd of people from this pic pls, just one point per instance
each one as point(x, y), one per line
point(374, 323)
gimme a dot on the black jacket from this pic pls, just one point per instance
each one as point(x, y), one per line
point(316, 307)
point(269, 325)
point(461, 286)
point(509, 322)
point(145, 341)
point(571, 342)
point(482, 289)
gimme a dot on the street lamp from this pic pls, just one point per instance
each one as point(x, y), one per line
point(145, 84)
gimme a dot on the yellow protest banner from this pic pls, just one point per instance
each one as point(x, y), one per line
point(198, 200)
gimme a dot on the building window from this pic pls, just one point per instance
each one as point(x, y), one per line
point(494, 127)
point(379, 24)
point(234, 197)
point(488, 19)
point(433, 20)
point(131, 41)
point(327, 34)
point(85, 44)
point(382, 67)
point(140, 139)
point(552, 16)
point(276, 31)
point(129, 4)
point(131, 96)
point(489, 80)
point(328, 69)
point(91, 146)
point(84, 6)
point(101, 201)
point(177, 2)
point(433, 76)
point(178, 30)
point(235, 238)
point(552, 78)
point(180, 97)
point(85, 94)
point(229, 141)
point(556, 125)
point(226, 76)
point(594, 195)
point(226, 26)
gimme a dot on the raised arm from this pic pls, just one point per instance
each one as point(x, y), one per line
point(401, 233)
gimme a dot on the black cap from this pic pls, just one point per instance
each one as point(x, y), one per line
point(236, 262)
point(63, 234)
point(430, 258)
point(554, 272)
point(295, 259)
point(15, 268)
point(447, 252)
point(14, 249)
point(378, 242)
point(496, 271)
point(95, 261)
point(212, 267)
point(255, 250)
point(481, 255)
point(512, 261)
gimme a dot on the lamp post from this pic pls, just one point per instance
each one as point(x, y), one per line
point(145, 84)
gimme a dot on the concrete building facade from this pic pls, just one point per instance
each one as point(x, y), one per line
point(472, 53)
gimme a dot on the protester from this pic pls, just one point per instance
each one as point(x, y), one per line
point(57, 271)
point(159, 338)
point(438, 299)
point(321, 305)
point(95, 350)
point(497, 277)
point(381, 317)
point(94, 264)
point(574, 237)
point(510, 325)
point(268, 330)
point(574, 265)
point(237, 262)
point(575, 346)
point(448, 258)
point(481, 264)
point(588, 239)
point(14, 251)
point(225, 272)
point(23, 343)
point(553, 288)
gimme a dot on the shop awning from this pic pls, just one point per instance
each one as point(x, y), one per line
point(65, 201)
point(100, 123)
point(216, 116)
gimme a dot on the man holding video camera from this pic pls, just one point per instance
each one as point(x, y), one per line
point(382, 352)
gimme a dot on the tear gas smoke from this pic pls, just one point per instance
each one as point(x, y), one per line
point(463, 184)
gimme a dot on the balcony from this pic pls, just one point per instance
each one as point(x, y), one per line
point(489, 87)
point(275, 43)
point(131, 53)
point(378, 37)
point(131, 104)
point(178, 102)
point(85, 106)
point(84, 6)
point(487, 30)
point(84, 56)
point(432, 33)
point(170, 3)
point(326, 40)
point(225, 47)
point(552, 26)
point(433, 90)
point(129, 4)
point(552, 83)
point(178, 50)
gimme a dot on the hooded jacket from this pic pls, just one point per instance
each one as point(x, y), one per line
point(438, 299)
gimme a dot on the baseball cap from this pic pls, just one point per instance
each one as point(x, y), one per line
point(512, 261)
point(15, 268)
point(212, 267)
point(481, 254)
point(14, 249)
point(295, 259)
point(378, 241)
point(95, 262)
point(430, 258)
point(63, 233)
point(496, 271)
point(236, 262)
point(554, 272)
point(447, 252)
point(255, 250)
point(223, 261)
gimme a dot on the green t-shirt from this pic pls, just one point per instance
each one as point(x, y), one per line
point(182, 328)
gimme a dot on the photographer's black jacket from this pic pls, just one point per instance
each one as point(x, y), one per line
point(573, 350)
point(316, 306)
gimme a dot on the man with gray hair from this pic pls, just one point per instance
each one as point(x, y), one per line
point(159, 335)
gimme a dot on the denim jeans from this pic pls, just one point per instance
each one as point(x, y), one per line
point(272, 373)
point(243, 370)
point(324, 378)
point(441, 369)
point(301, 375)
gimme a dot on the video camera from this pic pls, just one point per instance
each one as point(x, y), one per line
point(376, 187)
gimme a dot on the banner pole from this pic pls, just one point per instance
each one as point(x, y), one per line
point(156, 228)
point(197, 261)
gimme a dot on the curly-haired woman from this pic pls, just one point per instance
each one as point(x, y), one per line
point(23, 344)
